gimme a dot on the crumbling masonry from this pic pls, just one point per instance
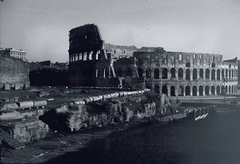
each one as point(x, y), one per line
point(172, 73)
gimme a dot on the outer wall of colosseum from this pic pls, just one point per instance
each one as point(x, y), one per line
point(193, 74)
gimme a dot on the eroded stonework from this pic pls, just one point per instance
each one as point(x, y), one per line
point(93, 64)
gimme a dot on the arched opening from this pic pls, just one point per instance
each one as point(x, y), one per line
point(165, 90)
point(207, 74)
point(229, 89)
point(188, 64)
point(181, 90)
point(148, 73)
point(140, 72)
point(188, 74)
point(105, 72)
point(213, 74)
point(187, 90)
point(218, 74)
point(226, 89)
point(119, 72)
point(222, 73)
point(173, 73)
point(201, 91)
point(232, 89)
point(212, 90)
point(156, 89)
point(207, 90)
point(201, 73)
point(156, 73)
point(194, 91)
point(218, 90)
point(194, 74)
point(172, 92)
point(180, 73)
point(226, 73)
point(213, 65)
point(230, 73)
point(164, 73)
point(128, 71)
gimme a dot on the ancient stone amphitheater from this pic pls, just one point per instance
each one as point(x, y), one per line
point(95, 64)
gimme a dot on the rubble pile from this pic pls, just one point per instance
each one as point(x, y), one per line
point(100, 113)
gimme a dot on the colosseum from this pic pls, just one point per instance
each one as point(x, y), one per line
point(92, 63)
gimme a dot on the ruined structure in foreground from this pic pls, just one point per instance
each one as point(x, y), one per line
point(172, 73)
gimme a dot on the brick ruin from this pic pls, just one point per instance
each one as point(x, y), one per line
point(172, 73)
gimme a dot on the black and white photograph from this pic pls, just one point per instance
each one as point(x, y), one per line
point(120, 81)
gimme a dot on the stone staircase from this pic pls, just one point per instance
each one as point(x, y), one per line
point(9, 141)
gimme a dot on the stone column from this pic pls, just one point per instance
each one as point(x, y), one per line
point(204, 91)
point(184, 88)
point(176, 74)
point(184, 74)
point(191, 74)
point(191, 91)
point(198, 74)
point(168, 74)
point(168, 90)
point(204, 74)
point(197, 90)
point(210, 74)
point(176, 90)
point(160, 74)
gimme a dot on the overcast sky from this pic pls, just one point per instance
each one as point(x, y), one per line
point(41, 27)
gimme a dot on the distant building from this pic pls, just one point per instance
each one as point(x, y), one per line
point(11, 52)
point(95, 64)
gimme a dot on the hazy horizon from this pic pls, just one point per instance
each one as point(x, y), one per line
point(41, 27)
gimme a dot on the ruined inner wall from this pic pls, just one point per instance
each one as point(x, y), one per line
point(13, 71)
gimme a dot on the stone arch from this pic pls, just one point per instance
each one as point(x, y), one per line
point(181, 90)
point(213, 90)
point(140, 72)
point(173, 72)
point(218, 74)
point(213, 74)
point(172, 91)
point(188, 74)
point(200, 90)
point(156, 88)
point(128, 71)
point(165, 89)
point(187, 91)
point(164, 73)
point(201, 73)
point(156, 73)
point(207, 74)
point(148, 73)
point(207, 90)
point(180, 73)
point(195, 75)
point(194, 91)
point(218, 90)
point(120, 72)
